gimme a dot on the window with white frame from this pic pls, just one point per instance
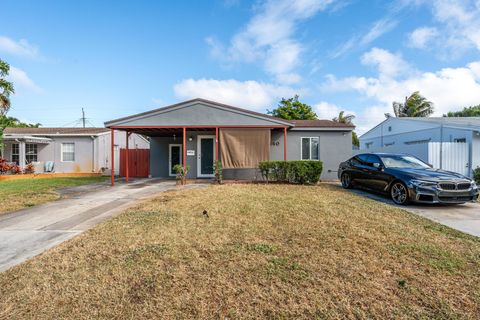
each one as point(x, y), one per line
point(31, 153)
point(68, 152)
point(16, 153)
point(310, 150)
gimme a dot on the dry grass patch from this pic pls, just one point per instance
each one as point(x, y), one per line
point(19, 194)
point(266, 251)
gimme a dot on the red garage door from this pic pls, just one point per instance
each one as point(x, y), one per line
point(138, 162)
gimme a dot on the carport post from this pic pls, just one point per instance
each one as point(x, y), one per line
point(112, 132)
point(127, 134)
point(184, 154)
point(216, 144)
point(285, 144)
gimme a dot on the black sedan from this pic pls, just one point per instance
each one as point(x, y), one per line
point(406, 179)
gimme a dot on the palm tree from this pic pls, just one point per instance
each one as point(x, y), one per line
point(348, 119)
point(342, 118)
point(6, 88)
point(415, 105)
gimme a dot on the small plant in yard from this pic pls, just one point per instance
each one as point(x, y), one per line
point(5, 167)
point(181, 173)
point(217, 167)
point(15, 169)
point(476, 175)
point(30, 168)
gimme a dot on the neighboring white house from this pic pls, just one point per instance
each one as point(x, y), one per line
point(70, 149)
point(448, 143)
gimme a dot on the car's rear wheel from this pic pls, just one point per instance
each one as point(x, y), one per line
point(346, 180)
point(399, 193)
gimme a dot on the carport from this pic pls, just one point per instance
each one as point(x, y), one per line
point(250, 138)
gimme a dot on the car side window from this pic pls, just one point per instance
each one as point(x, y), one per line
point(373, 159)
point(354, 161)
point(363, 158)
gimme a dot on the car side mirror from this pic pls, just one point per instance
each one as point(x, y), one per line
point(378, 166)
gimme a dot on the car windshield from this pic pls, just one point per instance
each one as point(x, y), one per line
point(399, 161)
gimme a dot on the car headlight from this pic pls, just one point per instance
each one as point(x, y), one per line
point(423, 183)
point(474, 185)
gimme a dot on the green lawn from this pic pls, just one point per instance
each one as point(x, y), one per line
point(18, 194)
point(265, 251)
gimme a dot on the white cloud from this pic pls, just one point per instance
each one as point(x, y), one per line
point(20, 48)
point(457, 27)
point(247, 94)
point(21, 80)
point(388, 64)
point(421, 37)
point(448, 88)
point(269, 37)
point(326, 110)
point(378, 29)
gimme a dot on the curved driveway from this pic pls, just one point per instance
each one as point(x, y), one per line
point(28, 232)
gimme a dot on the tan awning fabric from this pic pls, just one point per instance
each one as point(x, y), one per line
point(244, 148)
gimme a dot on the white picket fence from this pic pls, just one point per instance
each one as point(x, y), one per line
point(450, 156)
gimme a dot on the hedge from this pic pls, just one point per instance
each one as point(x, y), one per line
point(476, 175)
point(299, 171)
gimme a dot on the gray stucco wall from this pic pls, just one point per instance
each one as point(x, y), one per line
point(91, 153)
point(335, 147)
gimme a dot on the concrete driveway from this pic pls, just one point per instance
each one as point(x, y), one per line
point(464, 217)
point(28, 232)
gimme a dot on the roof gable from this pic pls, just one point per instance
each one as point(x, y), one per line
point(198, 112)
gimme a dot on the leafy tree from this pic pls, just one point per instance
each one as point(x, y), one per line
point(6, 88)
point(415, 105)
point(348, 119)
point(13, 123)
point(473, 111)
point(292, 109)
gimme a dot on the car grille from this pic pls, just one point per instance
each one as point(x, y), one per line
point(453, 199)
point(447, 186)
point(463, 186)
point(453, 186)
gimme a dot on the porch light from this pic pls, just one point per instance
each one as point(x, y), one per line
point(190, 138)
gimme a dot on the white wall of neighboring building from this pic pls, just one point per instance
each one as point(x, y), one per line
point(399, 135)
point(103, 147)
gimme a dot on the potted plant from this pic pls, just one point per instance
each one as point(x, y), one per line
point(181, 173)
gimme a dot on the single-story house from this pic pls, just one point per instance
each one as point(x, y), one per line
point(67, 149)
point(199, 131)
point(447, 143)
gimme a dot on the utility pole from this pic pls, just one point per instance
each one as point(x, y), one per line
point(83, 117)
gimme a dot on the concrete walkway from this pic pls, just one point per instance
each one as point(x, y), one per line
point(463, 217)
point(28, 232)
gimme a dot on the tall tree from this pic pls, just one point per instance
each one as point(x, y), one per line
point(6, 88)
point(473, 111)
point(348, 119)
point(15, 123)
point(415, 105)
point(292, 109)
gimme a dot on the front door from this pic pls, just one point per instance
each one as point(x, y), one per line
point(206, 156)
point(174, 158)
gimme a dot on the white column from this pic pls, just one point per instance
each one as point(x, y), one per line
point(22, 157)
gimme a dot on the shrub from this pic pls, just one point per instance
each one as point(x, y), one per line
point(29, 168)
point(299, 171)
point(476, 175)
point(217, 167)
point(15, 169)
point(181, 172)
point(4, 166)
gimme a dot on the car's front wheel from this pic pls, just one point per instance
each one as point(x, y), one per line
point(399, 193)
point(346, 180)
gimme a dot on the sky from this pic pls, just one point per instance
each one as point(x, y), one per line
point(117, 58)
